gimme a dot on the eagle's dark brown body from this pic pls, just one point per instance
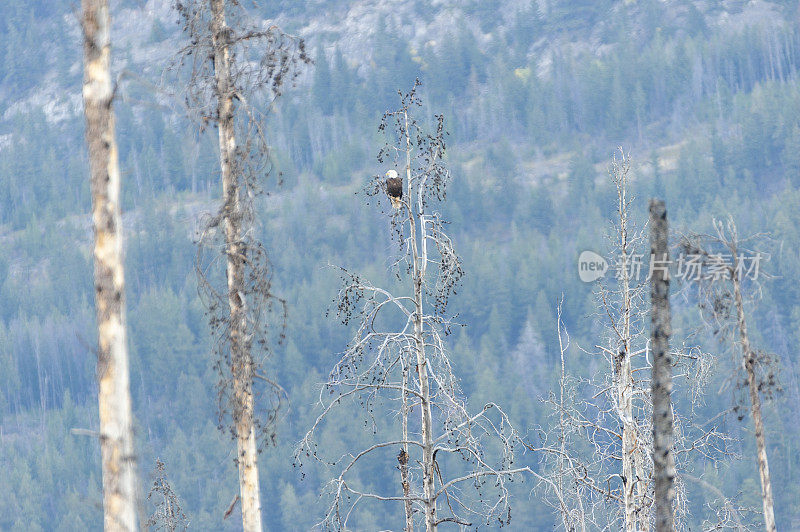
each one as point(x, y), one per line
point(394, 188)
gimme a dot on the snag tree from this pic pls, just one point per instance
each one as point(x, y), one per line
point(236, 70)
point(454, 464)
point(725, 266)
point(116, 418)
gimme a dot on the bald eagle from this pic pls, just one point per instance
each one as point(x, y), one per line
point(394, 188)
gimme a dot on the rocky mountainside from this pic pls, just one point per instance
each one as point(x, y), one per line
point(537, 97)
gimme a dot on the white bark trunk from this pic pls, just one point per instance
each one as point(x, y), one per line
point(428, 487)
point(624, 387)
point(420, 260)
point(749, 362)
point(633, 490)
point(241, 357)
point(116, 419)
point(403, 458)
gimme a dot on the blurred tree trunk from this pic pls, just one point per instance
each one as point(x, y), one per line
point(116, 420)
point(241, 356)
point(660, 330)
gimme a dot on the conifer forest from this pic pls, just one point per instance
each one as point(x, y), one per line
point(364, 265)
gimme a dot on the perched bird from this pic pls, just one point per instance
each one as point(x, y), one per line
point(394, 188)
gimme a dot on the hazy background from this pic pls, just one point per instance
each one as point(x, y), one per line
point(536, 95)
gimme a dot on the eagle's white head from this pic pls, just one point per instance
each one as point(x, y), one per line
point(394, 188)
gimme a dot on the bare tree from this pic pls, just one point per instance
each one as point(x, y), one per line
point(609, 484)
point(168, 514)
point(566, 484)
point(625, 306)
point(398, 357)
point(618, 394)
point(660, 331)
point(116, 419)
point(728, 264)
point(727, 512)
point(236, 71)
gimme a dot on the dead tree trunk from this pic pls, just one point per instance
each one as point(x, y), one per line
point(749, 363)
point(427, 421)
point(402, 459)
point(633, 491)
point(660, 330)
point(116, 419)
point(411, 365)
point(419, 265)
point(718, 298)
point(241, 357)
point(233, 72)
point(633, 475)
